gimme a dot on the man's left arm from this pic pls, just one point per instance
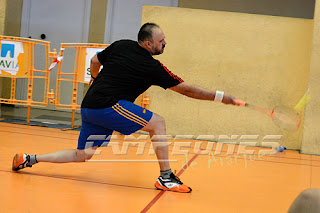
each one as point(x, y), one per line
point(196, 92)
point(94, 66)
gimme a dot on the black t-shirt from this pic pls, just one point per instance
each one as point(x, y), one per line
point(128, 70)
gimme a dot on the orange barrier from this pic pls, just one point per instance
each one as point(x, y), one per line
point(17, 61)
point(21, 51)
point(144, 101)
point(80, 74)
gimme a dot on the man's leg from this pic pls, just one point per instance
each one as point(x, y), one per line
point(81, 154)
point(157, 127)
point(67, 155)
point(21, 160)
point(167, 180)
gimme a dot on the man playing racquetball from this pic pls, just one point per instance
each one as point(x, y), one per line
point(128, 70)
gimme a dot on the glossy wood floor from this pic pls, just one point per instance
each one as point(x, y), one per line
point(269, 184)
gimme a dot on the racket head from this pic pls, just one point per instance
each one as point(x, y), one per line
point(286, 118)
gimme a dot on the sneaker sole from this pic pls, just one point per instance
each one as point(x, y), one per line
point(163, 188)
point(17, 160)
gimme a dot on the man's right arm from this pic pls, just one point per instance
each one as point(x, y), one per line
point(196, 92)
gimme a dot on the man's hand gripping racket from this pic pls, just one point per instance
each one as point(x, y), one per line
point(285, 118)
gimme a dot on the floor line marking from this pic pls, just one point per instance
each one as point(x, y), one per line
point(74, 179)
point(158, 196)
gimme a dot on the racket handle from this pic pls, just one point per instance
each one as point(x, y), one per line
point(239, 102)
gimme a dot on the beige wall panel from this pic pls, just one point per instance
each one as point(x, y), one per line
point(12, 24)
point(97, 21)
point(311, 134)
point(2, 15)
point(13, 17)
point(261, 59)
point(287, 8)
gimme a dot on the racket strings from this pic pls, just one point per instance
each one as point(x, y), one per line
point(286, 118)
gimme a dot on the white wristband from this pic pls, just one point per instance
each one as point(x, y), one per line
point(219, 96)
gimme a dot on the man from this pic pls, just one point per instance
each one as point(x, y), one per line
point(128, 70)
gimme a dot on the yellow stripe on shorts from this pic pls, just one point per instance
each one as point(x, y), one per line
point(119, 109)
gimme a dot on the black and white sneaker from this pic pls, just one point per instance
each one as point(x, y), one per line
point(172, 184)
point(20, 161)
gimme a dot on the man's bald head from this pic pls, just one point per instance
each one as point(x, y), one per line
point(145, 32)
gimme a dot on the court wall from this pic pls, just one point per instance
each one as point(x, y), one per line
point(261, 59)
point(311, 134)
point(292, 8)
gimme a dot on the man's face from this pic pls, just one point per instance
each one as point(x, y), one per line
point(158, 44)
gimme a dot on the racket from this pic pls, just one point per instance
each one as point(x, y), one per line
point(285, 118)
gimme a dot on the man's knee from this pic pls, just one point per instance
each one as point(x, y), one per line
point(160, 122)
point(156, 124)
point(86, 154)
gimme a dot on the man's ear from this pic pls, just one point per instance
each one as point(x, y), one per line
point(148, 43)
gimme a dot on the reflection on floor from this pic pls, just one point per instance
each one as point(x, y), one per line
point(124, 182)
point(39, 116)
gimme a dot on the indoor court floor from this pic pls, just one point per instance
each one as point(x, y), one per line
point(107, 184)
